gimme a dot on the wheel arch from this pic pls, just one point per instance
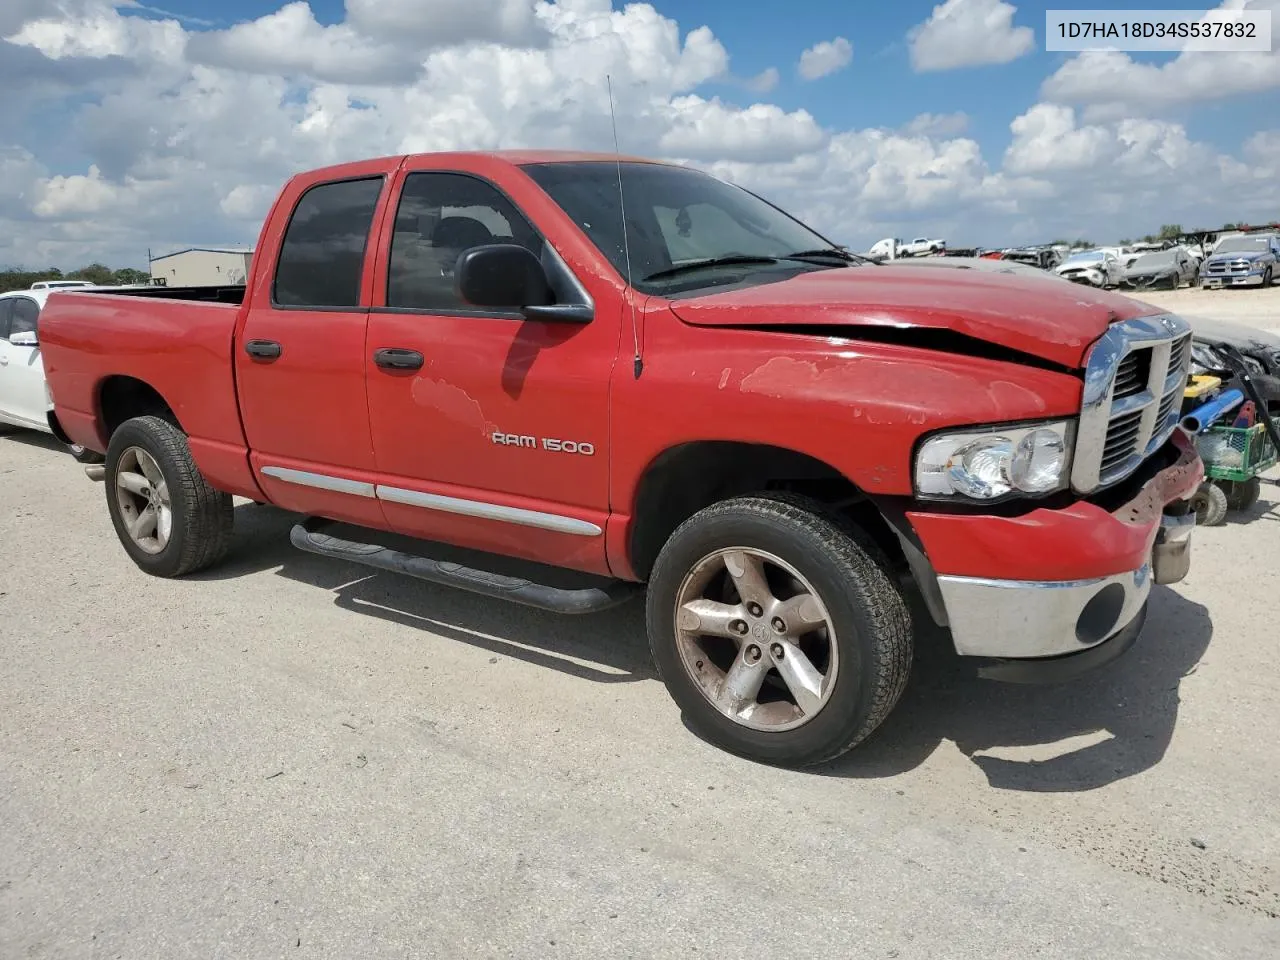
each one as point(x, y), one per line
point(121, 397)
point(688, 477)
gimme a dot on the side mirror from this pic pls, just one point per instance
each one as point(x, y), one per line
point(502, 275)
point(24, 338)
point(508, 276)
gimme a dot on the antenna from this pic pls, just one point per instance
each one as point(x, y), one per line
point(638, 363)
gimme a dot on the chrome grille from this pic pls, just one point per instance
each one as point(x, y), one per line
point(1134, 378)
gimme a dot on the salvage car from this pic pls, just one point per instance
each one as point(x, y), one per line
point(24, 398)
point(1098, 268)
point(1244, 260)
point(1165, 269)
point(707, 401)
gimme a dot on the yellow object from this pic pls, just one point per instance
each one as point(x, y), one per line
point(1200, 385)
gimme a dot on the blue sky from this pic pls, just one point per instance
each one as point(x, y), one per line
point(129, 127)
point(878, 88)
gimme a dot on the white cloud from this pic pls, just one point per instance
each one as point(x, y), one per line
point(764, 81)
point(938, 125)
point(187, 135)
point(291, 42)
point(442, 23)
point(1111, 85)
point(710, 130)
point(825, 58)
point(968, 33)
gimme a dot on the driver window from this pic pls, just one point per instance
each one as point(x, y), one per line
point(6, 310)
point(441, 215)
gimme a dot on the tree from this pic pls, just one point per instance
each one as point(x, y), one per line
point(128, 275)
point(97, 273)
point(1170, 231)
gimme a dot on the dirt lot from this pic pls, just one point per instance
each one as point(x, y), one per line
point(291, 757)
point(1253, 306)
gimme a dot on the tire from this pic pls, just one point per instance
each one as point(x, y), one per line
point(1266, 278)
point(200, 517)
point(870, 655)
point(1244, 494)
point(84, 454)
point(1210, 504)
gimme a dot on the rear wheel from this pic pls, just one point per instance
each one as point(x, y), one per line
point(1244, 494)
point(1210, 504)
point(167, 516)
point(779, 635)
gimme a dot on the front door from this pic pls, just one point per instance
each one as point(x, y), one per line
point(490, 431)
point(300, 353)
point(22, 393)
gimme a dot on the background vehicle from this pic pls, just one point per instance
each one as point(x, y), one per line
point(1099, 268)
point(1241, 261)
point(24, 398)
point(920, 246)
point(60, 284)
point(1164, 269)
point(770, 433)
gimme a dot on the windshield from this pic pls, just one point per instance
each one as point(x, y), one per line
point(678, 216)
point(1093, 257)
point(1241, 245)
point(1153, 260)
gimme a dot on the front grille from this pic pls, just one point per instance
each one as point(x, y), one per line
point(1134, 379)
point(1132, 376)
point(1223, 268)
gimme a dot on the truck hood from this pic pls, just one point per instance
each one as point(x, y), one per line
point(1249, 255)
point(1041, 316)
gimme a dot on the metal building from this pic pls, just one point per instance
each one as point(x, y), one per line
point(203, 267)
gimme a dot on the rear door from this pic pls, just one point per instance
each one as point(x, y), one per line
point(496, 438)
point(22, 393)
point(300, 354)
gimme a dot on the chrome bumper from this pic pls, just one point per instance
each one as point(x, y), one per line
point(1025, 619)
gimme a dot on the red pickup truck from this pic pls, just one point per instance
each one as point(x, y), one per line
point(781, 440)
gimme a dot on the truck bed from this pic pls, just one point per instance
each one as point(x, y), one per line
point(227, 294)
point(178, 341)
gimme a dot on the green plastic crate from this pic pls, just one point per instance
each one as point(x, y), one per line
point(1236, 453)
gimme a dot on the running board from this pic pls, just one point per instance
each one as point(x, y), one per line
point(306, 537)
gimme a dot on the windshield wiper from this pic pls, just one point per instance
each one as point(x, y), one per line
point(836, 252)
point(708, 262)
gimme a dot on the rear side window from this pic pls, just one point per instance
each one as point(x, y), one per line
point(322, 256)
point(6, 311)
point(25, 313)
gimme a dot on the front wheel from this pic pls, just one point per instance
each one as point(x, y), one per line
point(778, 633)
point(1210, 504)
point(167, 516)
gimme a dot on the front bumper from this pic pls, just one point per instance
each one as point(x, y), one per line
point(1231, 280)
point(1100, 565)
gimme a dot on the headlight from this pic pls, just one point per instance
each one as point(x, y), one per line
point(992, 464)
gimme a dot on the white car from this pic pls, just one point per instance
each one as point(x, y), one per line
point(24, 397)
point(1100, 268)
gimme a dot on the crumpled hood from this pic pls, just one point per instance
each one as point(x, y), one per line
point(1042, 316)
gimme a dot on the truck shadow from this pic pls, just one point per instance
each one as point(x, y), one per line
point(608, 647)
point(1122, 716)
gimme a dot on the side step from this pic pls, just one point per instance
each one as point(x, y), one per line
point(306, 536)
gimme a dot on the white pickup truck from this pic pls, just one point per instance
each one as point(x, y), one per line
point(891, 248)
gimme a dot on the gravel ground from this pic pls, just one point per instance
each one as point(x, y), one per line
point(1253, 306)
point(291, 757)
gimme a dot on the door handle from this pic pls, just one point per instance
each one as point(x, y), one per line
point(397, 358)
point(264, 349)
